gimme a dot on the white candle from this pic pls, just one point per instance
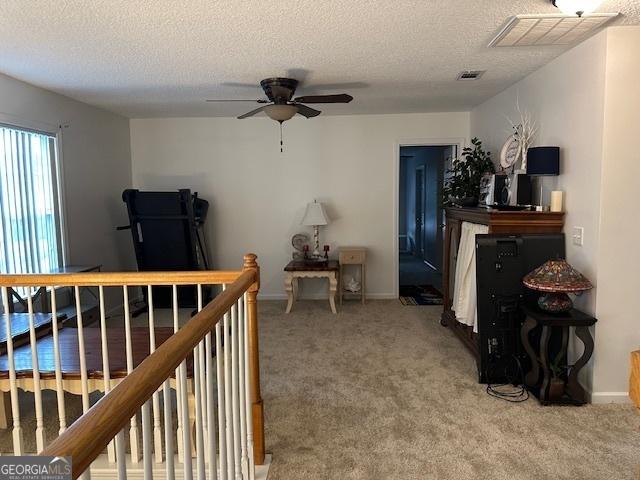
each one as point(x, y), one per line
point(556, 201)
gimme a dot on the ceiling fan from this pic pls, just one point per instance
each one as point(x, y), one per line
point(280, 105)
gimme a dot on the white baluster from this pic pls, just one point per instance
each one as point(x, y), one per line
point(37, 391)
point(168, 430)
point(18, 448)
point(133, 424)
point(81, 352)
point(106, 372)
point(247, 382)
point(227, 398)
point(84, 380)
point(147, 446)
point(242, 389)
point(186, 431)
point(200, 468)
point(235, 401)
point(211, 426)
point(176, 327)
point(62, 416)
point(222, 428)
point(121, 456)
point(197, 373)
point(157, 429)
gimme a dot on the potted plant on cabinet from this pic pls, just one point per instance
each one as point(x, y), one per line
point(462, 184)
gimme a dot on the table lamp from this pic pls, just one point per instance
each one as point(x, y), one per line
point(555, 279)
point(543, 162)
point(315, 216)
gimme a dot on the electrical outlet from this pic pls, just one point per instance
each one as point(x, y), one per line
point(578, 236)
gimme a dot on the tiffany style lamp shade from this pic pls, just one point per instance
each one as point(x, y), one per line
point(555, 279)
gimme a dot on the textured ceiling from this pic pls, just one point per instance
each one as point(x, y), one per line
point(156, 58)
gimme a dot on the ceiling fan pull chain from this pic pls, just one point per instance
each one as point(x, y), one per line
point(280, 137)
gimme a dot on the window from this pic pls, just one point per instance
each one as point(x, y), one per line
point(30, 220)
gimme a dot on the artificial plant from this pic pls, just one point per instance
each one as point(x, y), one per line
point(463, 180)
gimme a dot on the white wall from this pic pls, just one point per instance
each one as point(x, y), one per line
point(566, 98)
point(258, 195)
point(97, 167)
point(587, 102)
point(618, 298)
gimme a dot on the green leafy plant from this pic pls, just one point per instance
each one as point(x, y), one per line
point(463, 182)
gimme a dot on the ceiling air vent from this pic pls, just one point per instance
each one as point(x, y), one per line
point(470, 74)
point(528, 30)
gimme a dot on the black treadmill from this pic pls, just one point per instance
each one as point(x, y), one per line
point(168, 235)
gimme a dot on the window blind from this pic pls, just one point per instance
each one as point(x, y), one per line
point(30, 233)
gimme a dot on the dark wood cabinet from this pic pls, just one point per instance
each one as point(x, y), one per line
point(498, 221)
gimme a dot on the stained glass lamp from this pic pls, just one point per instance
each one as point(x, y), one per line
point(555, 279)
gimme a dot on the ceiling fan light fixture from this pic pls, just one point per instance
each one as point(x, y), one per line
point(577, 7)
point(280, 113)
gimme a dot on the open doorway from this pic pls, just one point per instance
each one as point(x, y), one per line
point(421, 221)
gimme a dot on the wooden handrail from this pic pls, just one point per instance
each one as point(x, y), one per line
point(87, 437)
point(119, 279)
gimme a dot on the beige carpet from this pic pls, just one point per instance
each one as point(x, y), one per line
point(382, 391)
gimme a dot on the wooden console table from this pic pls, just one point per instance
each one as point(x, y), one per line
point(297, 269)
point(498, 221)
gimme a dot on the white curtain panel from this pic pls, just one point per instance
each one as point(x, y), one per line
point(29, 219)
point(464, 293)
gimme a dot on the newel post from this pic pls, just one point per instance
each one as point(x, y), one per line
point(257, 408)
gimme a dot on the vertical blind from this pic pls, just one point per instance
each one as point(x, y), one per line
point(30, 233)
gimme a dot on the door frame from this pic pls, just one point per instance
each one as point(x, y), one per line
point(460, 142)
point(419, 235)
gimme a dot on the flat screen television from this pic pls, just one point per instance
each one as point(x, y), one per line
point(501, 263)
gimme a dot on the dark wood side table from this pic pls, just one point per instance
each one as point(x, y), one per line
point(545, 325)
point(297, 269)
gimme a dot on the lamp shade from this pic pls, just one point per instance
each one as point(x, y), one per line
point(543, 161)
point(315, 215)
point(280, 113)
point(557, 276)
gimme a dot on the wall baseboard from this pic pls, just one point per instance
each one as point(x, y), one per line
point(610, 397)
point(282, 296)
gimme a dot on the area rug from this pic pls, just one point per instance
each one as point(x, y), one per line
point(416, 295)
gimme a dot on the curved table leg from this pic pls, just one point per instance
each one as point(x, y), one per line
point(574, 388)
point(533, 375)
point(544, 360)
point(333, 288)
point(288, 286)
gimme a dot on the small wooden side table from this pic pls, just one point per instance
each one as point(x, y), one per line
point(297, 269)
point(352, 256)
point(574, 393)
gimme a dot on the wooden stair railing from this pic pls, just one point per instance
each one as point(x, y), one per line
point(89, 435)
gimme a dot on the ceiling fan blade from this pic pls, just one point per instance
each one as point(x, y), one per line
point(222, 100)
point(307, 111)
point(252, 113)
point(339, 98)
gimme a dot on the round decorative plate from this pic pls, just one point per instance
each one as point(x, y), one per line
point(299, 240)
point(510, 152)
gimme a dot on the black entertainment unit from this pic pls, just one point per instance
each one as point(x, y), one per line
point(501, 263)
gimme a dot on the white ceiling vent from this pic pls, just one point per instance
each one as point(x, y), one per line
point(527, 30)
point(470, 75)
